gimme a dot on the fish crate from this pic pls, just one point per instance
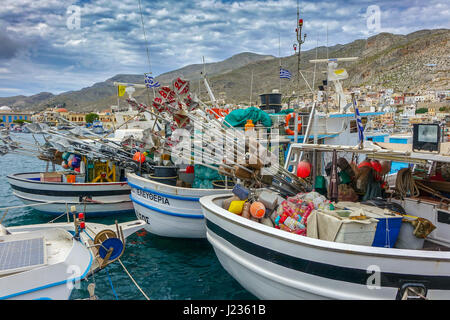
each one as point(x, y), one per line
point(337, 227)
point(51, 177)
point(355, 232)
point(388, 227)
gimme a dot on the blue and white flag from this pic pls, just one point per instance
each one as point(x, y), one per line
point(150, 82)
point(359, 123)
point(285, 74)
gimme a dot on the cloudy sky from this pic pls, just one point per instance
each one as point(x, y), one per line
point(61, 45)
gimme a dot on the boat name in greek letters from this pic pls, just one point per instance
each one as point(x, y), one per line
point(151, 196)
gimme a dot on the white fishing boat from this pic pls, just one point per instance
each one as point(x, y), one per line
point(96, 199)
point(275, 264)
point(169, 211)
point(46, 261)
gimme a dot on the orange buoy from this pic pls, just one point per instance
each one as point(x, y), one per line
point(286, 124)
point(139, 157)
point(249, 125)
point(257, 210)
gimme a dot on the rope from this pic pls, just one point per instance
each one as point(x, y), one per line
point(145, 38)
point(110, 282)
point(405, 183)
point(137, 286)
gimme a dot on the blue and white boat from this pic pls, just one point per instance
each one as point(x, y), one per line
point(46, 261)
point(169, 211)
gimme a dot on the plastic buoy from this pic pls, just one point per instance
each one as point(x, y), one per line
point(139, 157)
point(257, 210)
point(303, 169)
point(190, 169)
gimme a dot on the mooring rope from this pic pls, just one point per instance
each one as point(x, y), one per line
point(137, 286)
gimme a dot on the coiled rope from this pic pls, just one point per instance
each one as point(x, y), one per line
point(405, 184)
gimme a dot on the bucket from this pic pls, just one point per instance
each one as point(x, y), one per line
point(163, 171)
point(71, 178)
point(172, 181)
point(220, 184)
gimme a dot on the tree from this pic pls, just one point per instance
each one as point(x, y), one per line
point(21, 121)
point(91, 117)
point(421, 110)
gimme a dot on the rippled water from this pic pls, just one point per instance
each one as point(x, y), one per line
point(164, 268)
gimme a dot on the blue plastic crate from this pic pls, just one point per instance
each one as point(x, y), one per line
point(394, 225)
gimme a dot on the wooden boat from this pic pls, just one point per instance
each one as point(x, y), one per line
point(46, 261)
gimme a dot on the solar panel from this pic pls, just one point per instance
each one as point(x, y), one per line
point(21, 253)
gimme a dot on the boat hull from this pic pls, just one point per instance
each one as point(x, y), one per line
point(53, 280)
point(274, 264)
point(51, 197)
point(168, 210)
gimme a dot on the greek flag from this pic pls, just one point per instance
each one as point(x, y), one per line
point(359, 123)
point(285, 74)
point(150, 82)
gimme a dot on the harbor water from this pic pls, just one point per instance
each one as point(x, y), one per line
point(165, 268)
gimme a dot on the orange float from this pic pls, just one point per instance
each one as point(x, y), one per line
point(257, 210)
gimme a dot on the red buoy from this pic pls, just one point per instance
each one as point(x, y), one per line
point(303, 169)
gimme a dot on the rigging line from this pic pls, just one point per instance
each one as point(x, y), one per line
point(145, 37)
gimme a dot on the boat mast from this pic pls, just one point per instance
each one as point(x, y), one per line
point(300, 41)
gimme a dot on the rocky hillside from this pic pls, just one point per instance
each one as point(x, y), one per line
point(413, 62)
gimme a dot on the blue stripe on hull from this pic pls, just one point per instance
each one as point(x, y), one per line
point(162, 194)
point(187, 216)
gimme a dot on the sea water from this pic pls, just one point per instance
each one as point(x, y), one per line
point(164, 268)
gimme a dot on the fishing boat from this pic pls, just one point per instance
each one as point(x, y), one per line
point(169, 210)
point(274, 264)
point(92, 176)
point(48, 188)
point(46, 261)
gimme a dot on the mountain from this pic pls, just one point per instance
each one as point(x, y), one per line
point(401, 62)
point(23, 101)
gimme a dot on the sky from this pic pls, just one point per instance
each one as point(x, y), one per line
point(62, 45)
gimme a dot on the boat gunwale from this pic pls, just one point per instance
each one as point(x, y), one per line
point(174, 189)
point(409, 254)
point(14, 176)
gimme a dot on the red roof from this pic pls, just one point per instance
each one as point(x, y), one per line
point(61, 110)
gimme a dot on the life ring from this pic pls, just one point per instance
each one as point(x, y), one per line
point(286, 125)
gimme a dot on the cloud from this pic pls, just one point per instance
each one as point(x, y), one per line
point(110, 39)
point(8, 48)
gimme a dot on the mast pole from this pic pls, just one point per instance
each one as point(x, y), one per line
point(300, 41)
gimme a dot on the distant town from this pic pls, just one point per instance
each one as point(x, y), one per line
point(398, 109)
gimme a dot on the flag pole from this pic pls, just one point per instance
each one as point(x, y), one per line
point(251, 89)
point(279, 54)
